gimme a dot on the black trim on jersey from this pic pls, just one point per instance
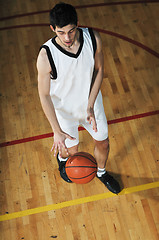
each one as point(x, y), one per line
point(69, 53)
point(54, 72)
point(94, 43)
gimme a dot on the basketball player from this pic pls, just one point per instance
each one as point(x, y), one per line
point(70, 73)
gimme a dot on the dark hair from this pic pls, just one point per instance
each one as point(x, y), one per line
point(62, 15)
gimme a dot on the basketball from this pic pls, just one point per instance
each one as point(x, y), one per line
point(81, 168)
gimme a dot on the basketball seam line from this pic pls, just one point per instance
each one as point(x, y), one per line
point(78, 155)
point(82, 177)
point(80, 166)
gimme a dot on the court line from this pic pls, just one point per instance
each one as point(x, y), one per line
point(13, 142)
point(94, 197)
point(132, 41)
point(117, 3)
point(83, 6)
point(47, 135)
point(78, 201)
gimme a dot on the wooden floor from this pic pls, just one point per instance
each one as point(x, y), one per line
point(29, 178)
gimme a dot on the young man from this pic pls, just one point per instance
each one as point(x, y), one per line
point(70, 73)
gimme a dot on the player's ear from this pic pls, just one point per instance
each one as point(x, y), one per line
point(52, 28)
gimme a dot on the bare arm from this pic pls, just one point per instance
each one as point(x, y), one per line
point(99, 66)
point(44, 69)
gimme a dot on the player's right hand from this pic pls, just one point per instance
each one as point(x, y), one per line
point(59, 143)
point(91, 118)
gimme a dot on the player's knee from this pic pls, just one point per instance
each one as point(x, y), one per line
point(103, 145)
point(73, 150)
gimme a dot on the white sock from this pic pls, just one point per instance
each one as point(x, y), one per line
point(100, 171)
point(62, 159)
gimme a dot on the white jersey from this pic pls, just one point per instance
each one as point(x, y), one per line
point(72, 77)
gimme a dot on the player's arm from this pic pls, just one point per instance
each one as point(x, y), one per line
point(99, 67)
point(44, 69)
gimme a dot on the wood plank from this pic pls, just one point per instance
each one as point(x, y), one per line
point(29, 176)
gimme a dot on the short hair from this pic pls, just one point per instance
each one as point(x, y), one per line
point(62, 15)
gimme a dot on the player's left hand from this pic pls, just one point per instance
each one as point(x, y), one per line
point(91, 118)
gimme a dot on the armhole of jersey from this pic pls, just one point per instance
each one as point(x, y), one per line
point(94, 43)
point(54, 72)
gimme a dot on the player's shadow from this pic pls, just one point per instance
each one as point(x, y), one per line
point(132, 142)
point(134, 182)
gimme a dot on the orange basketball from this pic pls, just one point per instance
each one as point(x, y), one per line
point(81, 167)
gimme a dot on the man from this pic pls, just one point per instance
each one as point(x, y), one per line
point(70, 73)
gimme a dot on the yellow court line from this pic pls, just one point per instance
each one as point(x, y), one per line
point(77, 201)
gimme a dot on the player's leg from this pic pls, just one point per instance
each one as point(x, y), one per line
point(71, 151)
point(101, 151)
point(72, 146)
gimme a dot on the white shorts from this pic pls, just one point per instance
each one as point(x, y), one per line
point(100, 135)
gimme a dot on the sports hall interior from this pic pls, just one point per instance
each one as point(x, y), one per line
point(35, 203)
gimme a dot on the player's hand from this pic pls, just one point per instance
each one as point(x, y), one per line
point(91, 118)
point(59, 142)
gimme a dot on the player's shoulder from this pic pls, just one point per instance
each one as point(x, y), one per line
point(96, 33)
point(42, 60)
point(98, 39)
point(42, 54)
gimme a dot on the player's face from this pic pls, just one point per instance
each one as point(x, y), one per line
point(66, 34)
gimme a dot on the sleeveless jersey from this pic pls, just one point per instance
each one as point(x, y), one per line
point(71, 78)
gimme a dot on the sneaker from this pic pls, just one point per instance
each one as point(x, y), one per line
point(62, 170)
point(110, 183)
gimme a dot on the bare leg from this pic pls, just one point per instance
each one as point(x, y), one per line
point(101, 152)
point(71, 151)
point(62, 163)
